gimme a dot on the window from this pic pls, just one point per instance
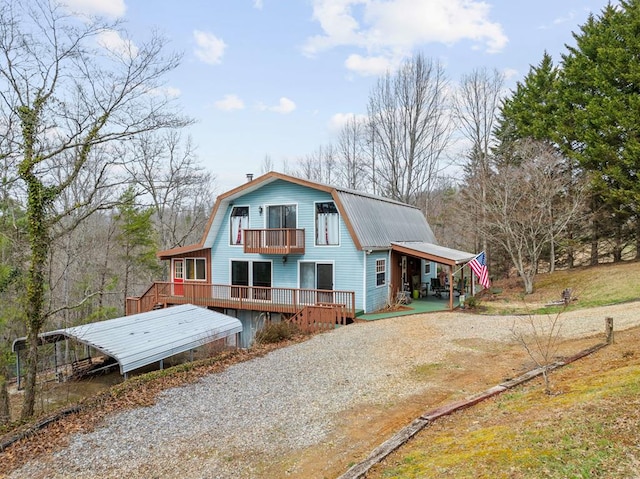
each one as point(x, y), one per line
point(261, 279)
point(427, 267)
point(316, 280)
point(239, 277)
point(327, 223)
point(381, 268)
point(281, 216)
point(195, 269)
point(238, 221)
point(245, 274)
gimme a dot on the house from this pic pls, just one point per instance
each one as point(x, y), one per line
point(279, 245)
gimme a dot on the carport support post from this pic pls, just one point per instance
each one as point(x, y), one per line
point(55, 359)
point(451, 287)
point(19, 382)
point(161, 364)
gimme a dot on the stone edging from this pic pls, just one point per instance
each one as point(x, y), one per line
point(359, 471)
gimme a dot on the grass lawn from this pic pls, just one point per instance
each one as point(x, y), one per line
point(591, 286)
point(589, 427)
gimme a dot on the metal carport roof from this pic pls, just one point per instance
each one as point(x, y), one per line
point(140, 339)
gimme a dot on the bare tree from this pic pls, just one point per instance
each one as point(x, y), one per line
point(410, 124)
point(267, 165)
point(351, 153)
point(524, 200)
point(67, 91)
point(318, 166)
point(539, 335)
point(476, 108)
point(171, 180)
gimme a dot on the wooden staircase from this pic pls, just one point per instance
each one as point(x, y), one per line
point(321, 317)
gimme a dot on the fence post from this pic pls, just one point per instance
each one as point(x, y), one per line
point(608, 329)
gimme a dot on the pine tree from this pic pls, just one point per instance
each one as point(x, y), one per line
point(600, 113)
point(137, 239)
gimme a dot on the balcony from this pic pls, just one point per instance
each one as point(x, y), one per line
point(254, 298)
point(279, 241)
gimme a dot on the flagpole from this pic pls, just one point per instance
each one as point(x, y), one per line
point(467, 262)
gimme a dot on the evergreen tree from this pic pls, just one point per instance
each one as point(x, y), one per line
point(137, 240)
point(600, 113)
point(530, 111)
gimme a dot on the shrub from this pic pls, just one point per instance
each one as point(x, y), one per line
point(472, 302)
point(276, 332)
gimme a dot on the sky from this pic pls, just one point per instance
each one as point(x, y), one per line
point(278, 78)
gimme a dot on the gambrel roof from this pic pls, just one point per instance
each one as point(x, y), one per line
point(373, 221)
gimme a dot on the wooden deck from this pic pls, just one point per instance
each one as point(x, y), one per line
point(274, 241)
point(275, 300)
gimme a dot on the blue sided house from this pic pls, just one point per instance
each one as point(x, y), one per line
point(278, 247)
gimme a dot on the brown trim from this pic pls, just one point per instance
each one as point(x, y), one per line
point(421, 254)
point(345, 219)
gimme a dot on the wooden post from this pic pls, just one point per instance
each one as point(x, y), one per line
point(608, 329)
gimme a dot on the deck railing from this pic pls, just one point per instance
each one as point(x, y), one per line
point(255, 298)
point(274, 241)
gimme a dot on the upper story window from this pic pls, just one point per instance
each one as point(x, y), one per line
point(238, 221)
point(381, 268)
point(282, 216)
point(327, 224)
point(195, 269)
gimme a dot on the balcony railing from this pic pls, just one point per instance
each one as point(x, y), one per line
point(254, 298)
point(274, 241)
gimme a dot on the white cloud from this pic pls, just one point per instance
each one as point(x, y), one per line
point(109, 8)
point(257, 4)
point(339, 120)
point(230, 103)
point(368, 66)
point(284, 106)
point(113, 41)
point(210, 48)
point(392, 29)
point(510, 73)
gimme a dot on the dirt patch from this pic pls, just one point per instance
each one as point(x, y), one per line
point(432, 452)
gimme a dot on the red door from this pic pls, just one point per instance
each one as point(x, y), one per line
point(178, 277)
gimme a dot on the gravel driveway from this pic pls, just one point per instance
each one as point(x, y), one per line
point(257, 418)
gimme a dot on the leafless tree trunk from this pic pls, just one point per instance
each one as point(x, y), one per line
point(5, 414)
point(173, 182)
point(476, 107)
point(518, 201)
point(351, 154)
point(68, 94)
point(540, 337)
point(318, 166)
point(408, 112)
point(267, 165)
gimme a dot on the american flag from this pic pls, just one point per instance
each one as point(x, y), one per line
point(479, 266)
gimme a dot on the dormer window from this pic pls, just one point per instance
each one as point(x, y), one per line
point(238, 221)
point(327, 224)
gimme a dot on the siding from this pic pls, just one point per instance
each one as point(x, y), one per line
point(346, 259)
point(377, 296)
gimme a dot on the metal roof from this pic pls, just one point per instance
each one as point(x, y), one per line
point(435, 252)
point(375, 221)
point(378, 221)
point(145, 338)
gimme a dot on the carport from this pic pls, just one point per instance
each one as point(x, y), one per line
point(431, 252)
point(140, 339)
